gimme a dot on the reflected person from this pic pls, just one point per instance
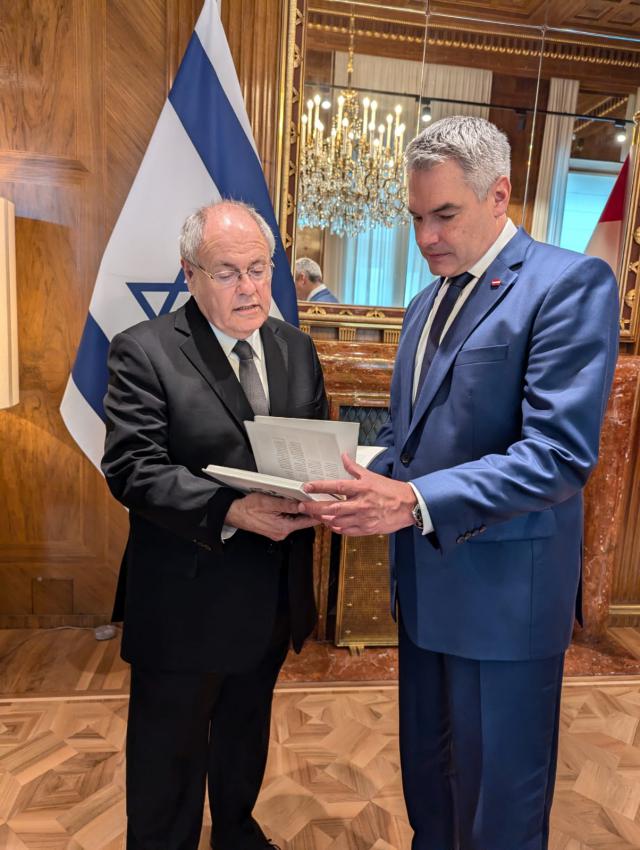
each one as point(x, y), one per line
point(309, 285)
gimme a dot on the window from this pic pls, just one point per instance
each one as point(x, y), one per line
point(589, 185)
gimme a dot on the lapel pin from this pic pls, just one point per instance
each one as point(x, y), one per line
point(495, 283)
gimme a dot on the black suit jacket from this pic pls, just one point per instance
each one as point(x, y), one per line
point(190, 602)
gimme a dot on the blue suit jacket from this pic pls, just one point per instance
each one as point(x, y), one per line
point(325, 295)
point(500, 443)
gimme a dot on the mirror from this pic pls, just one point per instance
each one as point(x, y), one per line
point(515, 69)
point(586, 112)
point(416, 67)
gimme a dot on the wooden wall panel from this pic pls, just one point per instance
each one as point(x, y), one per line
point(82, 85)
point(34, 41)
point(255, 31)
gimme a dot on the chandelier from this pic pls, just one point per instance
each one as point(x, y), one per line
point(351, 177)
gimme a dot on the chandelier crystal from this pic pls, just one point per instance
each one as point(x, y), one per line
point(351, 178)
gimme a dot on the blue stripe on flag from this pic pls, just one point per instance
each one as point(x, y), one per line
point(213, 127)
point(90, 373)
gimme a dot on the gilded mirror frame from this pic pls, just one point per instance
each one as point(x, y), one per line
point(383, 319)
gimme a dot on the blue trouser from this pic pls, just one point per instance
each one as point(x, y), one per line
point(478, 743)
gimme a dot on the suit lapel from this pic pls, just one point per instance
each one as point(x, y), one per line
point(480, 303)
point(276, 358)
point(205, 353)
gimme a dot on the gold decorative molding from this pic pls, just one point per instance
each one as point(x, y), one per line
point(351, 323)
point(291, 81)
point(624, 610)
point(629, 271)
point(346, 334)
point(573, 50)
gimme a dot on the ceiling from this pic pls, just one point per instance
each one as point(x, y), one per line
point(609, 17)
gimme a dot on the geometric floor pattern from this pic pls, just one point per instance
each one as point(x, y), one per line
point(61, 774)
point(333, 777)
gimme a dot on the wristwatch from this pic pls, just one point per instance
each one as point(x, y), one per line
point(416, 513)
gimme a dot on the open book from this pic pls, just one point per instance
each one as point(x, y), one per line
point(289, 452)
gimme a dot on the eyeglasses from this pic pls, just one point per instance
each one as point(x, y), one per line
point(257, 273)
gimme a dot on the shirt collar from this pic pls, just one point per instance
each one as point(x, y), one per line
point(315, 291)
point(506, 235)
point(227, 342)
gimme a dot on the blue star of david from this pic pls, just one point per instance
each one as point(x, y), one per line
point(138, 291)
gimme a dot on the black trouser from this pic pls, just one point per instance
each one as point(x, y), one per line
point(185, 728)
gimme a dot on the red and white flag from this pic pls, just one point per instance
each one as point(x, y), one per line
point(606, 239)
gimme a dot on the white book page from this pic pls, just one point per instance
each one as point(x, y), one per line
point(346, 433)
point(365, 454)
point(296, 453)
point(255, 482)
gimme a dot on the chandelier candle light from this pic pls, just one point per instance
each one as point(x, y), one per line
point(352, 177)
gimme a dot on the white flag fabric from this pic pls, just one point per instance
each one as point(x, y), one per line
point(201, 149)
point(606, 239)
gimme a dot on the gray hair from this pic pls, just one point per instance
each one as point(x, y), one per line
point(310, 268)
point(480, 149)
point(192, 230)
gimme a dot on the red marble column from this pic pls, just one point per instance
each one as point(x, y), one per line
point(604, 496)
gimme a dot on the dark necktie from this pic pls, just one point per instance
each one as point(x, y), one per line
point(456, 285)
point(250, 380)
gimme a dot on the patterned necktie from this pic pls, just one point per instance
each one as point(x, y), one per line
point(456, 285)
point(250, 380)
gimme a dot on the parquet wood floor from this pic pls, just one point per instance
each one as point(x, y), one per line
point(57, 662)
point(332, 782)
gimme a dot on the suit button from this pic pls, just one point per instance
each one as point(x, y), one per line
point(460, 539)
point(405, 458)
point(271, 548)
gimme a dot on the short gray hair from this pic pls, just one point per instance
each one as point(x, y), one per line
point(481, 150)
point(309, 267)
point(192, 231)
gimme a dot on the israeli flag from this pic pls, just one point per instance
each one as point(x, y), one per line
point(202, 149)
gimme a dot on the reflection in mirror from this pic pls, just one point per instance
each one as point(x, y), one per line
point(417, 68)
point(587, 120)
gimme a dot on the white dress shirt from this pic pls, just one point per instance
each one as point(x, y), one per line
point(477, 270)
point(255, 341)
point(227, 342)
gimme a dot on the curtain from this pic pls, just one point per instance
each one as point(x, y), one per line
point(554, 162)
point(383, 266)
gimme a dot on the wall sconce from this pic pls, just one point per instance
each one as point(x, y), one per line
point(9, 391)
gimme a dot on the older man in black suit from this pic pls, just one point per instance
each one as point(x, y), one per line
point(214, 585)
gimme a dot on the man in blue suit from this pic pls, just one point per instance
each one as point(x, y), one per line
point(502, 376)
point(309, 285)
